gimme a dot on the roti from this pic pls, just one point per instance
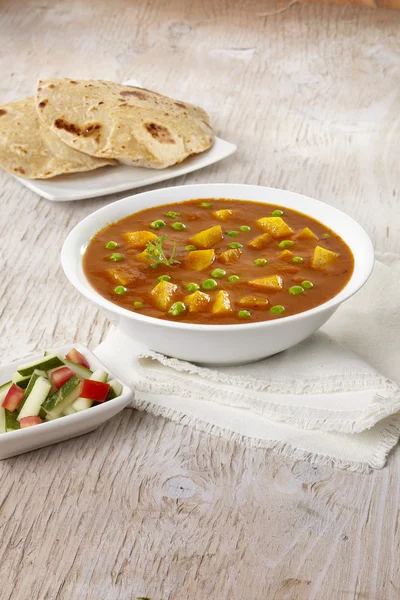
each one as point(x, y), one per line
point(133, 125)
point(29, 149)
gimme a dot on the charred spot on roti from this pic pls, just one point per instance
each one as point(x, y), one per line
point(2, 112)
point(19, 170)
point(72, 81)
point(52, 86)
point(180, 104)
point(84, 131)
point(160, 133)
point(42, 104)
point(100, 103)
point(137, 93)
point(150, 92)
point(208, 124)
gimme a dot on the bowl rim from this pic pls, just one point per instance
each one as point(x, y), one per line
point(69, 248)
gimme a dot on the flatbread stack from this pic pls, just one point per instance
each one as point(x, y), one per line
point(74, 126)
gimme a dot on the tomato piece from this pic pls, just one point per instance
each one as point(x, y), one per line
point(13, 398)
point(29, 421)
point(60, 376)
point(94, 390)
point(75, 356)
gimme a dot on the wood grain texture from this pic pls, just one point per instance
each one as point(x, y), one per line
point(145, 507)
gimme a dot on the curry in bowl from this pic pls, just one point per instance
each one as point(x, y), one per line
point(215, 261)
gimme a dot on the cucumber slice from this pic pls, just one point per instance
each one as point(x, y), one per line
point(82, 404)
point(12, 423)
point(99, 375)
point(4, 389)
point(55, 404)
point(68, 411)
point(50, 361)
point(80, 371)
point(85, 403)
point(21, 380)
point(32, 380)
point(2, 420)
point(34, 401)
point(115, 389)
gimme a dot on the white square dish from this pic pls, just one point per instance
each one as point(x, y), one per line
point(51, 432)
point(109, 180)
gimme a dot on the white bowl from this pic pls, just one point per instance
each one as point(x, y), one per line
point(64, 428)
point(218, 344)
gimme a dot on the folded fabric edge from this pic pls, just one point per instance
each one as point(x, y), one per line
point(355, 421)
point(345, 382)
point(390, 437)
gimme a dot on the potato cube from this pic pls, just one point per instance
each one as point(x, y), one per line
point(286, 255)
point(275, 226)
point(119, 276)
point(273, 283)
point(222, 215)
point(222, 304)
point(207, 238)
point(254, 302)
point(197, 302)
point(306, 234)
point(138, 239)
point(198, 260)
point(261, 242)
point(162, 294)
point(322, 258)
point(230, 256)
point(145, 257)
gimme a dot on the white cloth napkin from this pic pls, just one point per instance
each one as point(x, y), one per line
point(332, 399)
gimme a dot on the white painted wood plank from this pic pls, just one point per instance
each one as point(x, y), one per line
point(145, 507)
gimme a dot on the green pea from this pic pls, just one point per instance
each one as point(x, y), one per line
point(277, 309)
point(192, 287)
point(233, 278)
point(111, 245)
point(190, 247)
point(233, 233)
point(325, 236)
point(120, 290)
point(209, 284)
point(218, 273)
point(116, 256)
point(285, 244)
point(178, 226)
point(177, 309)
point(164, 278)
point(296, 290)
point(244, 314)
point(138, 304)
point(235, 245)
point(172, 214)
point(157, 224)
point(297, 260)
point(277, 213)
point(260, 262)
point(307, 284)
point(245, 228)
point(205, 205)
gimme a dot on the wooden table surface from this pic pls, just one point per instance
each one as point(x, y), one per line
point(142, 506)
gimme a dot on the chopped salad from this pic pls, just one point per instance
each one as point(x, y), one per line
point(53, 387)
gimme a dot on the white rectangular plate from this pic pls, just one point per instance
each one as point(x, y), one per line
point(109, 180)
point(50, 432)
